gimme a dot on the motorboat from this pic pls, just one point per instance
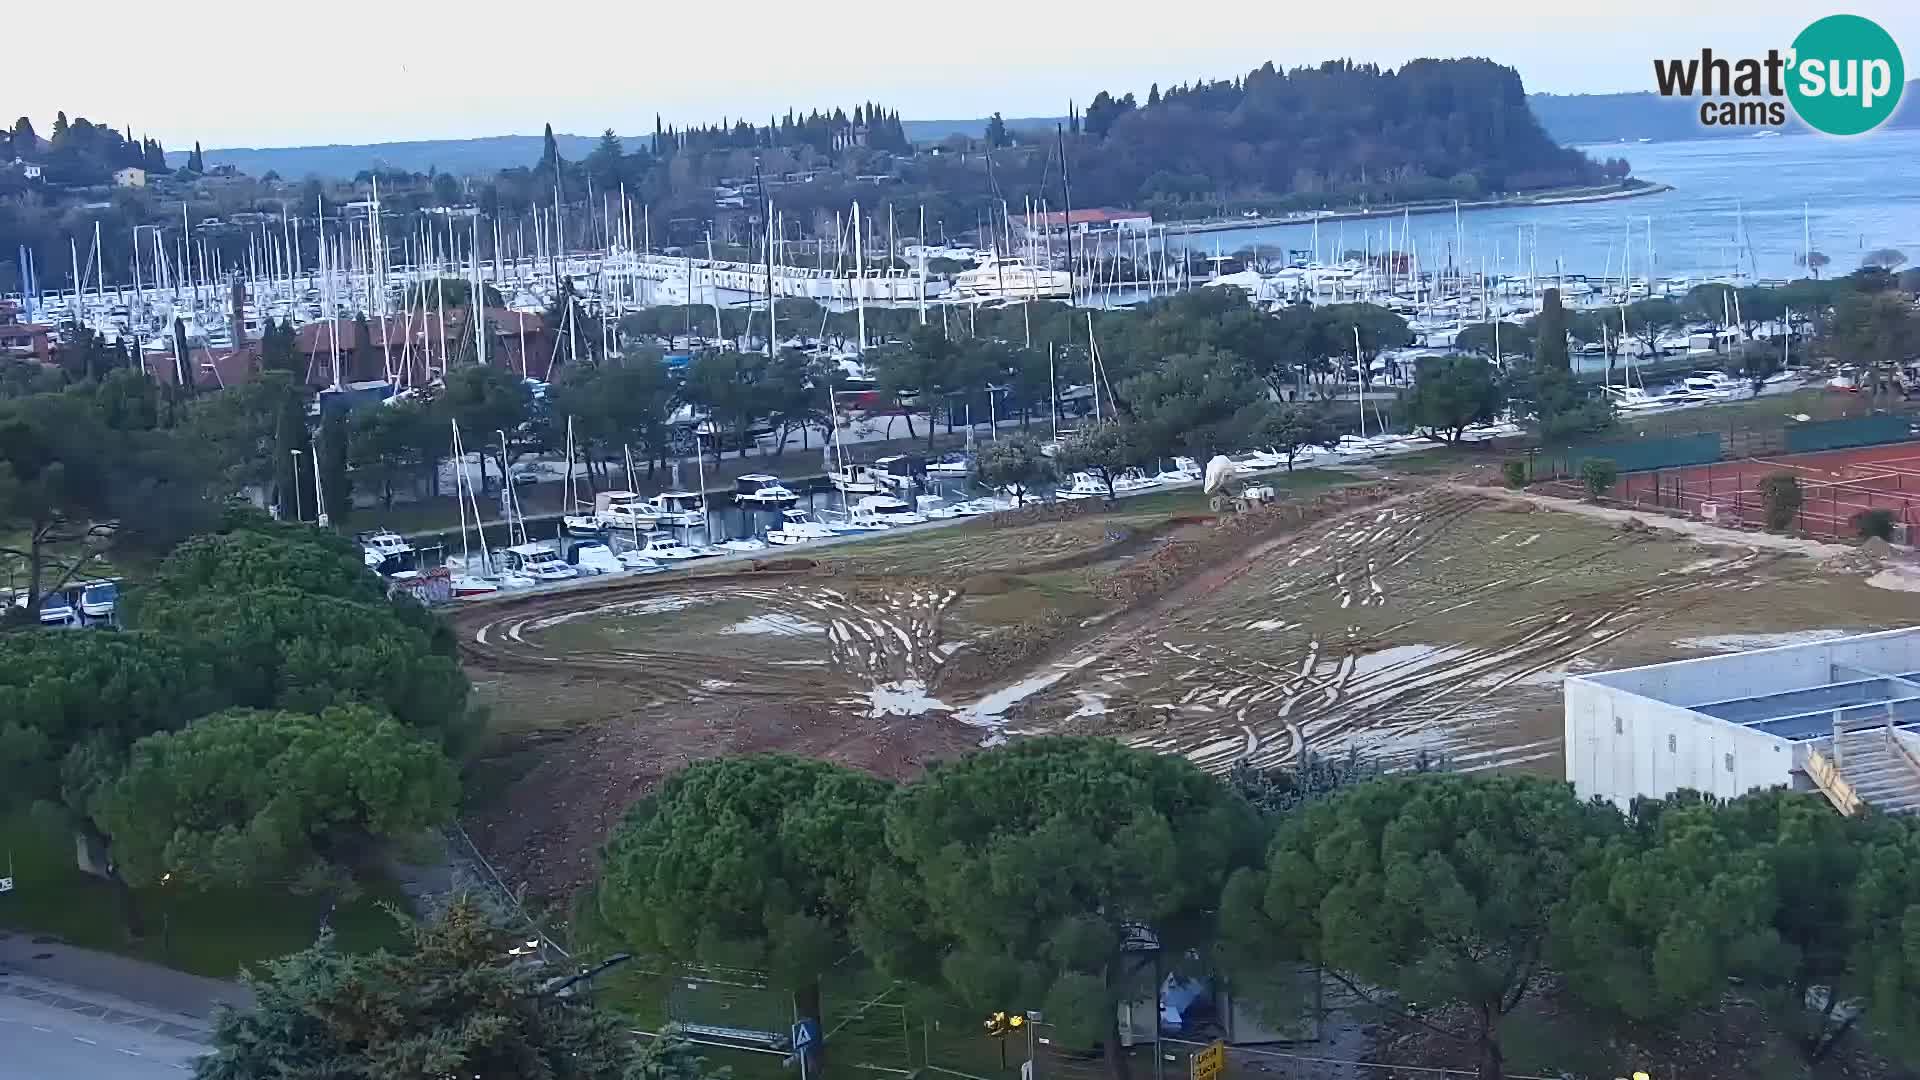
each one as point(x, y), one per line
point(539, 562)
point(936, 508)
point(890, 510)
point(596, 559)
point(951, 465)
point(1714, 384)
point(856, 480)
point(624, 510)
point(467, 586)
point(1134, 480)
point(99, 599)
point(895, 471)
point(1011, 279)
point(797, 528)
point(637, 561)
point(1082, 485)
point(1185, 471)
point(758, 491)
point(1258, 461)
point(679, 508)
point(385, 551)
point(663, 546)
point(743, 544)
point(854, 520)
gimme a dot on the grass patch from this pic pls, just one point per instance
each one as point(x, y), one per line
point(213, 932)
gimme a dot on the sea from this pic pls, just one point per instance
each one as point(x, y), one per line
point(1746, 205)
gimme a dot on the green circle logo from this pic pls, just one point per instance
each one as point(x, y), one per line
point(1846, 75)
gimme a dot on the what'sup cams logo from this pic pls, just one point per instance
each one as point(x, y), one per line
point(1843, 76)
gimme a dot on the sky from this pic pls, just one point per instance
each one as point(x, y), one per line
point(231, 73)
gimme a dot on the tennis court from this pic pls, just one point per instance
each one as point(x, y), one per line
point(1836, 485)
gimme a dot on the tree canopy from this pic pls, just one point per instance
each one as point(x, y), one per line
point(1015, 464)
point(456, 1002)
point(1018, 875)
point(245, 797)
point(1430, 888)
point(754, 861)
point(1451, 392)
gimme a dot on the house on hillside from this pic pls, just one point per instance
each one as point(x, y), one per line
point(130, 177)
point(28, 170)
point(1082, 222)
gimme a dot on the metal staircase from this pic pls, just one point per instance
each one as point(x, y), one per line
point(1869, 766)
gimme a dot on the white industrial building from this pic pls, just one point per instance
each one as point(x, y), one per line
point(1841, 716)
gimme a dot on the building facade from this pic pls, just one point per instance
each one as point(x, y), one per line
point(1841, 716)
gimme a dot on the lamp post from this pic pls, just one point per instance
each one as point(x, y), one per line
point(298, 513)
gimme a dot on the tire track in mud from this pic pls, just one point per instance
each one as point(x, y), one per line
point(1241, 707)
point(870, 637)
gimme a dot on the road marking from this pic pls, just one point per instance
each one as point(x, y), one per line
point(130, 1053)
point(89, 1042)
point(37, 1027)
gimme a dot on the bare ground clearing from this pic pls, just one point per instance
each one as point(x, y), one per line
point(1438, 619)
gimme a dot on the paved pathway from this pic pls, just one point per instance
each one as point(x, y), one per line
point(88, 976)
point(50, 1034)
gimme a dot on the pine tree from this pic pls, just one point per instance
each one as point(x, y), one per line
point(330, 444)
point(59, 126)
point(1153, 95)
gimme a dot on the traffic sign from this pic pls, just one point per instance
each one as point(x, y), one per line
point(1211, 1062)
point(805, 1034)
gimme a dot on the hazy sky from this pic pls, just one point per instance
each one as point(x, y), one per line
point(242, 73)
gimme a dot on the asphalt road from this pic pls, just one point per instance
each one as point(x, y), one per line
point(51, 1040)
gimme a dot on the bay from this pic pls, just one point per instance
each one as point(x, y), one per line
point(1736, 204)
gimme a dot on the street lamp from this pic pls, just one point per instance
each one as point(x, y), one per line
point(298, 513)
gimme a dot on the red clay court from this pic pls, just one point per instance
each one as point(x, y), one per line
point(1837, 484)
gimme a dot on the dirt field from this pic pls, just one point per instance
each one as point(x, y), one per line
point(1429, 619)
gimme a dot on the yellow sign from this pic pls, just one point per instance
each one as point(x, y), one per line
point(1210, 1063)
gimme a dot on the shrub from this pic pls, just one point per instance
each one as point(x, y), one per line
point(1515, 473)
point(1599, 476)
point(1781, 497)
point(1870, 524)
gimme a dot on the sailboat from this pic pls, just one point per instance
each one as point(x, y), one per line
point(464, 581)
point(576, 515)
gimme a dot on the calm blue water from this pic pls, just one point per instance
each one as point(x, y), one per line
point(1858, 194)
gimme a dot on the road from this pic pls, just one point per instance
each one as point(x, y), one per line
point(49, 1036)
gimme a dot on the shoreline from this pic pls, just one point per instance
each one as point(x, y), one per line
point(1571, 198)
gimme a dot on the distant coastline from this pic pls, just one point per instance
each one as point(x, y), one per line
point(1555, 197)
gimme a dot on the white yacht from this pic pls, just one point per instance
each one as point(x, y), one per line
point(951, 465)
point(467, 586)
point(1185, 471)
point(856, 480)
point(663, 546)
point(758, 491)
point(386, 551)
point(1134, 480)
point(853, 520)
point(797, 528)
point(539, 562)
point(1011, 279)
point(890, 510)
point(1714, 384)
point(624, 510)
point(1082, 486)
point(683, 508)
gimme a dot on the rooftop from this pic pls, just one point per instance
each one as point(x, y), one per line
point(1794, 692)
